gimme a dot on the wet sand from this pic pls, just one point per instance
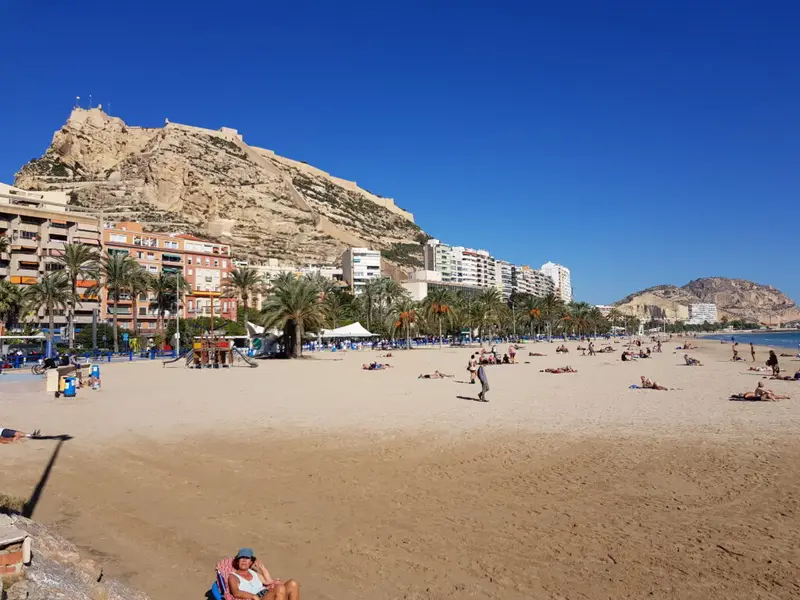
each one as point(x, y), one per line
point(378, 485)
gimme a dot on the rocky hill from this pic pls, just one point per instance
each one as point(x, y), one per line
point(210, 182)
point(735, 299)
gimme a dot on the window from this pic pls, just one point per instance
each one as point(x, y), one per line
point(28, 235)
point(142, 297)
point(208, 278)
point(224, 307)
point(143, 311)
point(151, 256)
point(189, 260)
point(152, 268)
point(120, 239)
point(208, 261)
point(189, 272)
point(172, 245)
point(140, 255)
point(224, 264)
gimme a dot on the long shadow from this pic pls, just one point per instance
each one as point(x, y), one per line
point(30, 504)
point(470, 398)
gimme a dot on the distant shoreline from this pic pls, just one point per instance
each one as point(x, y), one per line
point(779, 338)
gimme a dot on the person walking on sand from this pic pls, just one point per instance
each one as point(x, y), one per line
point(512, 353)
point(772, 361)
point(735, 352)
point(472, 367)
point(484, 384)
point(753, 351)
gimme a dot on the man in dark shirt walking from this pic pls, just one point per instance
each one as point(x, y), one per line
point(484, 384)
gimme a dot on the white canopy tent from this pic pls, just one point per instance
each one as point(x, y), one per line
point(354, 330)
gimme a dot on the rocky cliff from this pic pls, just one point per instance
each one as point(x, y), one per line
point(735, 299)
point(210, 182)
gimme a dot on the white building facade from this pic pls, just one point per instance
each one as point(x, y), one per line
point(561, 279)
point(359, 267)
point(702, 313)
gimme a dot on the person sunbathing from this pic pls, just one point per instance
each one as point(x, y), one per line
point(795, 377)
point(559, 370)
point(692, 362)
point(375, 366)
point(627, 356)
point(250, 580)
point(8, 436)
point(536, 354)
point(562, 348)
point(434, 375)
point(759, 369)
point(763, 393)
point(651, 385)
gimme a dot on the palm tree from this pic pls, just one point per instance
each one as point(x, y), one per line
point(242, 284)
point(439, 305)
point(295, 307)
point(4, 244)
point(377, 300)
point(337, 306)
point(552, 308)
point(487, 309)
point(614, 315)
point(52, 292)
point(79, 262)
point(12, 301)
point(163, 288)
point(140, 282)
point(116, 270)
point(406, 317)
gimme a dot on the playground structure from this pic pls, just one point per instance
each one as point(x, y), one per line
point(212, 352)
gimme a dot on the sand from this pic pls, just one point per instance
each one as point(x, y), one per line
point(379, 485)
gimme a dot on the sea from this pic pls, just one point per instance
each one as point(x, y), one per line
point(779, 339)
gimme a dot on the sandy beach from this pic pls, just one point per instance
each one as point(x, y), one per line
point(380, 485)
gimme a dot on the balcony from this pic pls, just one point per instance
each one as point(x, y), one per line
point(122, 311)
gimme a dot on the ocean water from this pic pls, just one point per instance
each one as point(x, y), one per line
point(779, 339)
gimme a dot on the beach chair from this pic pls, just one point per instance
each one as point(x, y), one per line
point(220, 589)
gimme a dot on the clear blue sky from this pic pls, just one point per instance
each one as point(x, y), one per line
point(636, 144)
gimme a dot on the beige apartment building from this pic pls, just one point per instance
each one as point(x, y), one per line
point(37, 227)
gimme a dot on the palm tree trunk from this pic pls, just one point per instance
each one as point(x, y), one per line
point(52, 325)
point(135, 309)
point(71, 315)
point(440, 332)
point(298, 340)
point(115, 321)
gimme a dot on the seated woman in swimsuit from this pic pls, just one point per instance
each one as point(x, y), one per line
point(253, 582)
point(651, 385)
point(762, 393)
point(434, 375)
point(692, 362)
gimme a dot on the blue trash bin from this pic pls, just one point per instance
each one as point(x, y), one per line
point(96, 371)
point(70, 386)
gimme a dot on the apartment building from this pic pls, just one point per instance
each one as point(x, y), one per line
point(359, 267)
point(206, 266)
point(701, 313)
point(532, 281)
point(37, 230)
point(561, 279)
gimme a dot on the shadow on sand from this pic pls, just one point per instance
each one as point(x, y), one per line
point(30, 504)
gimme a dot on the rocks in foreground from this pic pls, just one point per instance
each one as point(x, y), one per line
point(57, 571)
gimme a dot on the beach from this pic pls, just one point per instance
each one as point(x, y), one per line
point(376, 484)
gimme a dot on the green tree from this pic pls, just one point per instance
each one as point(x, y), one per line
point(12, 302)
point(406, 318)
point(116, 270)
point(4, 244)
point(242, 284)
point(338, 307)
point(294, 306)
point(139, 282)
point(487, 309)
point(439, 305)
point(52, 292)
point(552, 309)
point(79, 261)
point(165, 287)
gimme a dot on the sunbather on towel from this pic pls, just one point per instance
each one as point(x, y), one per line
point(651, 385)
point(8, 436)
point(559, 370)
point(434, 375)
point(375, 366)
point(251, 582)
point(762, 393)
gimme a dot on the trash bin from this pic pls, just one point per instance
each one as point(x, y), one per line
point(96, 371)
point(70, 386)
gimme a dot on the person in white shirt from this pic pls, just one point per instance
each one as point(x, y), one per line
point(253, 582)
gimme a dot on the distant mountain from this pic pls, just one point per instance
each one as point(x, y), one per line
point(735, 299)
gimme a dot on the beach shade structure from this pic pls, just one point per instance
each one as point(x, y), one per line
point(354, 330)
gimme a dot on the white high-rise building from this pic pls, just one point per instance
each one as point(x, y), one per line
point(359, 267)
point(532, 281)
point(702, 313)
point(561, 279)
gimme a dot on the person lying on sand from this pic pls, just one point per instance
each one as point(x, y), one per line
point(434, 375)
point(8, 436)
point(251, 580)
point(688, 346)
point(651, 385)
point(562, 348)
point(376, 366)
point(796, 377)
point(627, 356)
point(759, 369)
point(536, 354)
point(559, 370)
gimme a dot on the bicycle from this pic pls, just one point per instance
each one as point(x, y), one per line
point(38, 369)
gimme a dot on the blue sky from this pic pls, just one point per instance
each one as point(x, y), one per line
point(636, 144)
